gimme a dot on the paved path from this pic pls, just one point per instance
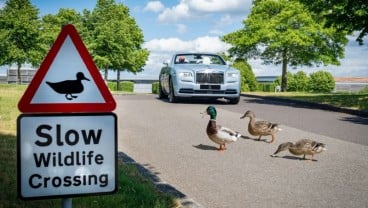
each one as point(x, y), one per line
point(169, 142)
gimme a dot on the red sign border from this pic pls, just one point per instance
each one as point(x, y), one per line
point(25, 104)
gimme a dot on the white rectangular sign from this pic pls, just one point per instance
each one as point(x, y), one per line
point(63, 155)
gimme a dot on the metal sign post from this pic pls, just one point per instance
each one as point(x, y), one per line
point(67, 203)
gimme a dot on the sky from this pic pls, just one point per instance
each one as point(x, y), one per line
point(171, 26)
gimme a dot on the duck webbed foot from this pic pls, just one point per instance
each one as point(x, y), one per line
point(222, 147)
point(70, 96)
point(272, 139)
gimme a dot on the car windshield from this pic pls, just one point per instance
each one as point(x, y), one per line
point(198, 59)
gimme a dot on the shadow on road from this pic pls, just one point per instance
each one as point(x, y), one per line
point(293, 158)
point(254, 139)
point(356, 120)
point(205, 147)
point(199, 101)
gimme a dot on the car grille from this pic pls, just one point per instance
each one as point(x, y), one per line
point(209, 78)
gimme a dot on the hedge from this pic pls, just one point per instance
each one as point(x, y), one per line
point(155, 87)
point(125, 86)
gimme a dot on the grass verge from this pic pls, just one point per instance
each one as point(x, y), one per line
point(358, 101)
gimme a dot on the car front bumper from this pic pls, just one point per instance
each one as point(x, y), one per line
point(228, 90)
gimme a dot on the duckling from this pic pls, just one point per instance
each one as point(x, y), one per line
point(301, 147)
point(219, 134)
point(261, 128)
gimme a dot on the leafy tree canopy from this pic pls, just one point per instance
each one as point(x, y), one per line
point(349, 15)
point(52, 24)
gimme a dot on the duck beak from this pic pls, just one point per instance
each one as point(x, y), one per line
point(86, 79)
point(242, 116)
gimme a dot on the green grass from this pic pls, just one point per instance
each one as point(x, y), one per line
point(134, 190)
point(357, 101)
point(9, 98)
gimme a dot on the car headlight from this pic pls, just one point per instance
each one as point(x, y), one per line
point(185, 74)
point(232, 74)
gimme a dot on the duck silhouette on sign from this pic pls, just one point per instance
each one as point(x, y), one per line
point(69, 87)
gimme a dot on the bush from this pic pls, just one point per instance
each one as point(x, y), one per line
point(321, 81)
point(291, 82)
point(125, 86)
point(266, 87)
point(155, 87)
point(248, 79)
point(245, 88)
point(111, 86)
point(364, 90)
point(298, 82)
point(301, 81)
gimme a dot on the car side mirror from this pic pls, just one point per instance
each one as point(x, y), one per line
point(229, 63)
point(166, 62)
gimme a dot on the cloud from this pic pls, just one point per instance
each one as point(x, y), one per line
point(181, 11)
point(216, 32)
point(200, 44)
point(219, 5)
point(196, 8)
point(225, 20)
point(154, 6)
point(167, 45)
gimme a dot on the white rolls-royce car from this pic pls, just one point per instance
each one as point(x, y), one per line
point(199, 75)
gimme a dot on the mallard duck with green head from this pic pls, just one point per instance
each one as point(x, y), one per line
point(217, 133)
point(261, 128)
point(301, 147)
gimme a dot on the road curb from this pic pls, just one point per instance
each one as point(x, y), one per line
point(311, 105)
point(161, 185)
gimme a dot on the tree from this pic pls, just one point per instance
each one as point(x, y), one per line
point(20, 35)
point(285, 32)
point(116, 38)
point(349, 15)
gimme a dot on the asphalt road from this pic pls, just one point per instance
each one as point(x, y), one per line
point(168, 141)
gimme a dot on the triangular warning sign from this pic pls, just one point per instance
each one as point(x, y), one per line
point(67, 80)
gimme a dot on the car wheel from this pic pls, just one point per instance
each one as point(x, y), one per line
point(171, 96)
point(161, 94)
point(234, 100)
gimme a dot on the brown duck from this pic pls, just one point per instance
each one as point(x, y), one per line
point(301, 147)
point(261, 128)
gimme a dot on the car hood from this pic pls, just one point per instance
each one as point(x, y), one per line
point(201, 67)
